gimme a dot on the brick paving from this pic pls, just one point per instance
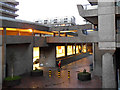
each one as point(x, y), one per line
point(62, 82)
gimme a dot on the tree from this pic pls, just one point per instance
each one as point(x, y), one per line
point(12, 61)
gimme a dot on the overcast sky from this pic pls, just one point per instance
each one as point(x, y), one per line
point(37, 9)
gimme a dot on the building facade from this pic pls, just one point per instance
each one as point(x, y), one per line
point(106, 57)
point(53, 43)
point(8, 8)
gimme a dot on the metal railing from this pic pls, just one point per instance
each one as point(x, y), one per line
point(89, 7)
point(117, 3)
point(8, 4)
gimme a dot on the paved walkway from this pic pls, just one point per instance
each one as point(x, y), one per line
point(62, 82)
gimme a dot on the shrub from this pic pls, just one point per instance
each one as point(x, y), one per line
point(12, 78)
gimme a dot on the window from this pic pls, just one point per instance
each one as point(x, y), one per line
point(70, 49)
point(65, 21)
point(45, 21)
point(55, 20)
point(60, 51)
point(118, 26)
point(65, 18)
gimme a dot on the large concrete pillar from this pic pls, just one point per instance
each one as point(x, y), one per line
point(97, 60)
point(75, 48)
point(47, 57)
point(4, 52)
point(58, 33)
point(0, 66)
point(108, 71)
point(106, 24)
point(2, 56)
point(93, 55)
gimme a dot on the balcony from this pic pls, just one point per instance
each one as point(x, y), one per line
point(4, 5)
point(89, 12)
point(7, 13)
point(93, 2)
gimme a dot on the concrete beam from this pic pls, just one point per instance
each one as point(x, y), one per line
point(86, 39)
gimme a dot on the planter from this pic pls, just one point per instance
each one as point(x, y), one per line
point(10, 82)
point(84, 76)
point(37, 73)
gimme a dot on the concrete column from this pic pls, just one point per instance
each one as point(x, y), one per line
point(65, 35)
point(4, 52)
point(53, 34)
point(97, 61)
point(1, 67)
point(40, 35)
point(75, 48)
point(108, 71)
point(93, 55)
point(72, 49)
point(82, 48)
point(66, 50)
point(86, 48)
point(106, 24)
point(59, 33)
point(31, 46)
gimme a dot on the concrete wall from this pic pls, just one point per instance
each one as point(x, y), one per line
point(37, 41)
point(40, 42)
point(18, 39)
point(23, 58)
point(47, 56)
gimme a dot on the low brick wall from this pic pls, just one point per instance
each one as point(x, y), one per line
point(72, 58)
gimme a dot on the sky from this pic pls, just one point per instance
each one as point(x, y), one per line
point(32, 10)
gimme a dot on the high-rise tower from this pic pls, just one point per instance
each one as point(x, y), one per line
point(8, 8)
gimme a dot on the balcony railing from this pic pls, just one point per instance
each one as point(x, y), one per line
point(89, 7)
point(8, 4)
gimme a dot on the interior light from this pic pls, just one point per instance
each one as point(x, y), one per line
point(90, 30)
point(30, 30)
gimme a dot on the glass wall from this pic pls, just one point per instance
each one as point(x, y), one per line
point(118, 26)
point(1, 32)
point(36, 56)
point(60, 51)
point(69, 50)
point(84, 48)
point(81, 48)
point(77, 49)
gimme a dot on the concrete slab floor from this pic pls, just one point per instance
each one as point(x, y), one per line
point(63, 82)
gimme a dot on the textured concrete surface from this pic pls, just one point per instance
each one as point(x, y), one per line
point(108, 72)
point(62, 82)
point(47, 56)
point(0, 67)
point(23, 58)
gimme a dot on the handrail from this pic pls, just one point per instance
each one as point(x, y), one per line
point(88, 6)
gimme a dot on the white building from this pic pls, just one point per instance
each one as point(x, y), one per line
point(58, 21)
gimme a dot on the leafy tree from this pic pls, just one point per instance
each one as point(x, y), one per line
point(12, 61)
